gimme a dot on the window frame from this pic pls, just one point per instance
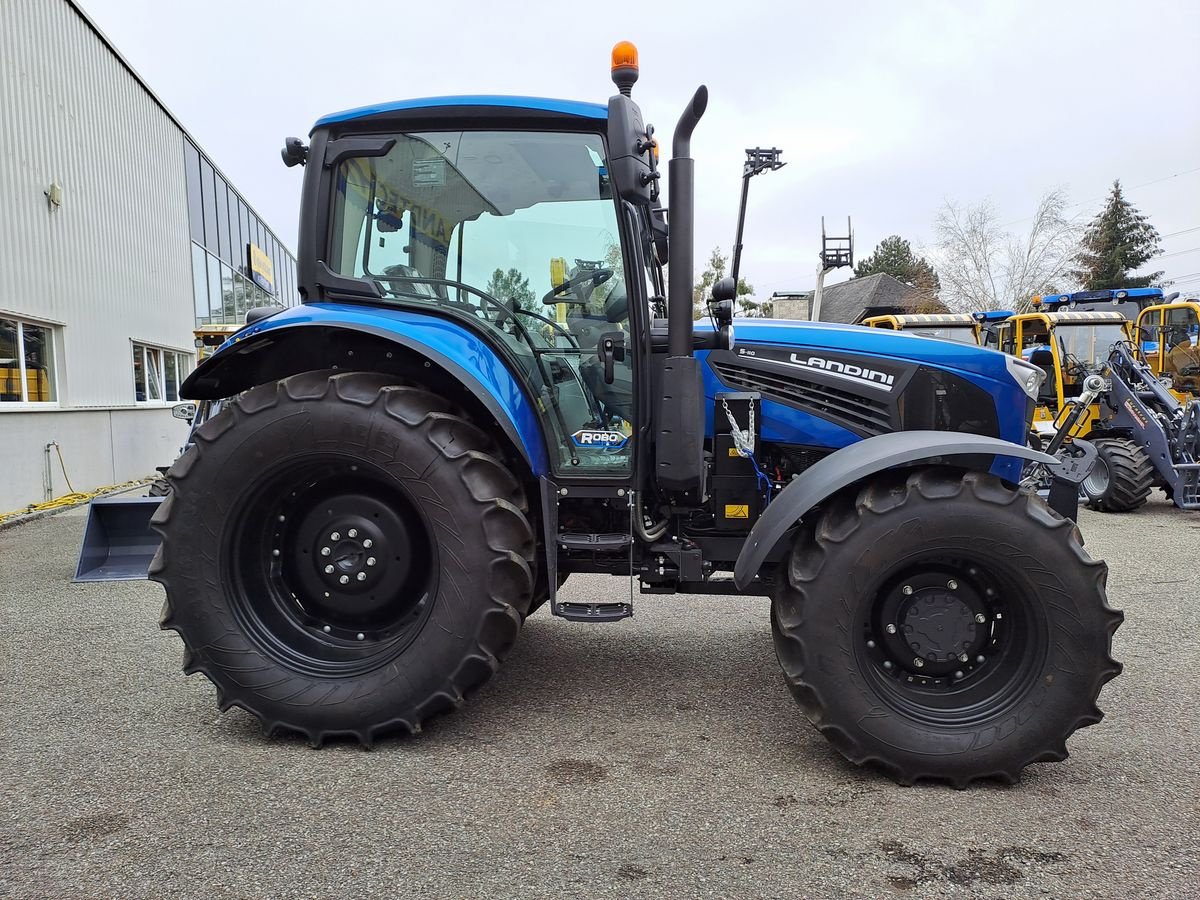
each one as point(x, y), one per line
point(25, 403)
point(184, 365)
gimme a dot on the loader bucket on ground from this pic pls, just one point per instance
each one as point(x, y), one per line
point(118, 543)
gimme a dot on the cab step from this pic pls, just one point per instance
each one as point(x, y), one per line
point(595, 543)
point(594, 612)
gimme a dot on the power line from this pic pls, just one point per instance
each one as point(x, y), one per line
point(1178, 253)
point(1184, 231)
point(1134, 188)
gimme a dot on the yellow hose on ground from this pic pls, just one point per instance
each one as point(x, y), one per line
point(74, 497)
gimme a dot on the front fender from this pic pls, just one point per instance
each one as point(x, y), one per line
point(854, 463)
point(319, 335)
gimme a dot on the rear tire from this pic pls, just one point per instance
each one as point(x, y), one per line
point(926, 556)
point(1122, 478)
point(342, 556)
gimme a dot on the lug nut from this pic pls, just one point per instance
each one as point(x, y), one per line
point(327, 629)
point(325, 551)
point(275, 552)
point(361, 636)
point(334, 536)
point(958, 674)
point(906, 590)
point(361, 576)
point(887, 663)
point(918, 662)
point(345, 579)
point(370, 560)
point(368, 543)
point(283, 518)
point(329, 570)
point(981, 659)
point(353, 532)
point(890, 629)
point(962, 657)
point(870, 645)
point(980, 618)
point(952, 584)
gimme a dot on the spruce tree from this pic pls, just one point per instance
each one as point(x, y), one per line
point(894, 256)
point(1118, 241)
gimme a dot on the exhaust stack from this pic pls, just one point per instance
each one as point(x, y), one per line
point(682, 186)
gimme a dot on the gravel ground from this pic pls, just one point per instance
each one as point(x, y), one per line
point(661, 756)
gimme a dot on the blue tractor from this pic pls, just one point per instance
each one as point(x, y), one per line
point(491, 386)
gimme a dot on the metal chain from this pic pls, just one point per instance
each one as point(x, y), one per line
point(743, 441)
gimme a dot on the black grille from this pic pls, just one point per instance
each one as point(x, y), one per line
point(862, 414)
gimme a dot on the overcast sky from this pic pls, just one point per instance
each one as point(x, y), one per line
point(884, 110)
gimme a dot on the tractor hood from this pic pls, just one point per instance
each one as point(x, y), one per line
point(829, 385)
point(883, 343)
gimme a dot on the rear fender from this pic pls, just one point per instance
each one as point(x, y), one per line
point(359, 338)
point(852, 464)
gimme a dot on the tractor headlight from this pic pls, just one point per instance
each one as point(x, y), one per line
point(1026, 374)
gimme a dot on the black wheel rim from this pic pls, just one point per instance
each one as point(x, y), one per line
point(950, 640)
point(331, 565)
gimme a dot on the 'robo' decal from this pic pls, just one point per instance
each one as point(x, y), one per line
point(609, 440)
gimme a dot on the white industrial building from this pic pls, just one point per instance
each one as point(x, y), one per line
point(118, 237)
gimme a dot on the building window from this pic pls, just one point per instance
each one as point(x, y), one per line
point(221, 245)
point(157, 373)
point(26, 363)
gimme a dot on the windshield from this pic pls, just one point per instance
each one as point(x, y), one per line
point(948, 333)
point(516, 233)
point(475, 220)
point(1090, 344)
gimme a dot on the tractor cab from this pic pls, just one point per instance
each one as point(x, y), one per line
point(961, 327)
point(1169, 334)
point(1067, 346)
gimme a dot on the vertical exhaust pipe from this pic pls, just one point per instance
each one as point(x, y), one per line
point(679, 441)
point(682, 234)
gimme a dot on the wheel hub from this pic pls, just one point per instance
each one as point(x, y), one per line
point(351, 558)
point(933, 624)
point(939, 627)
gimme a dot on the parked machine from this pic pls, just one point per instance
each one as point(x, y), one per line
point(416, 457)
point(962, 327)
point(1068, 347)
point(1169, 334)
point(1141, 408)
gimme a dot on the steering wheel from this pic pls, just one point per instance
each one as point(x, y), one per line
point(596, 277)
point(571, 341)
point(1074, 368)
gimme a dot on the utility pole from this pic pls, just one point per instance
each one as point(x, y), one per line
point(836, 252)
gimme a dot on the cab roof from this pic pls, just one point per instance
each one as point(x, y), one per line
point(495, 101)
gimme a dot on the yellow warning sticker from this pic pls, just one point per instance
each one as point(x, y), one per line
point(740, 511)
point(733, 452)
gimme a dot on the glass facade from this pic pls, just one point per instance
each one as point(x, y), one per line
point(223, 227)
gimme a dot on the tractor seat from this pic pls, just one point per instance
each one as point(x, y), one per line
point(1044, 360)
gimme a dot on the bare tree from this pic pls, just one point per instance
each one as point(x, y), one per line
point(982, 266)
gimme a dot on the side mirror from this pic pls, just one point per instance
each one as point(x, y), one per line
point(725, 289)
point(722, 312)
point(185, 411)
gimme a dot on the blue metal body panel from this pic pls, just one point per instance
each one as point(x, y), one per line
point(1154, 294)
point(444, 341)
point(983, 367)
point(541, 104)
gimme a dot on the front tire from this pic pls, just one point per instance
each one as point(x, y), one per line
point(944, 627)
point(343, 556)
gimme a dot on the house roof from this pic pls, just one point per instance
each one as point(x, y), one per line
point(878, 294)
